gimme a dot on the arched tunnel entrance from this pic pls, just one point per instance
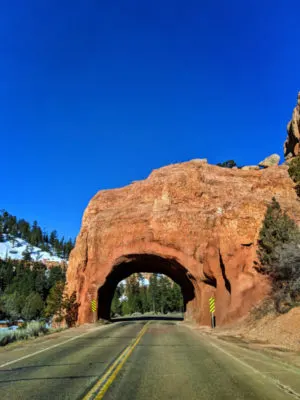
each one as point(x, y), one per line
point(143, 263)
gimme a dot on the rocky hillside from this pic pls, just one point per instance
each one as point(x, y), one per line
point(21, 240)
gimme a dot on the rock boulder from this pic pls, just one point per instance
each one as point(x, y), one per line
point(270, 161)
point(291, 145)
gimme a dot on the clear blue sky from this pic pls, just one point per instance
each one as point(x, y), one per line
point(96, 94)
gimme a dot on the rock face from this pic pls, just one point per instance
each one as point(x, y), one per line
point(250, 168)
point(195, 222)
point(270, 161)
point(291, 145)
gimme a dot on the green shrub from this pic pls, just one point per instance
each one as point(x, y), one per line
point(71, 309)
point(285, 276)
point(32, 329)
point(294, 171)
point(227, 164)
point(279, 257)
point(278, 229)
point(33, 306)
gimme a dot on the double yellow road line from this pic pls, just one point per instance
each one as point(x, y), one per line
point(99, 389)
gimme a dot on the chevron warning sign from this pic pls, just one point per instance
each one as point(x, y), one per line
point(212, 306)
point(94, 305)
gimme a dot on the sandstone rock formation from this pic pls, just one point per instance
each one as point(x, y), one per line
point(250, 168)
point(270, 161)
point(195, 222)
point(291, 145)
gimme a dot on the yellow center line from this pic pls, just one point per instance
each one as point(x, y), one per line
point(99, 389)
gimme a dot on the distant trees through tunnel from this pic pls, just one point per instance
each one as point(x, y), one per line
point(146, 294)
point(145, 283)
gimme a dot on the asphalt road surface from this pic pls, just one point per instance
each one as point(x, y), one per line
point(141, 360)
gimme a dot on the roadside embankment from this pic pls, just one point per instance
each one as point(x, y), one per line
point(281, 331)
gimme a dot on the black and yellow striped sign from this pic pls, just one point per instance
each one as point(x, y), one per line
point(212, 306)
point(94, 305)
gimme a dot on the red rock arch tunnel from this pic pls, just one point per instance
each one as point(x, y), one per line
point(132, 263)
point(194, 222)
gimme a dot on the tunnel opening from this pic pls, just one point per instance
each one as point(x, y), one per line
point(131, 264)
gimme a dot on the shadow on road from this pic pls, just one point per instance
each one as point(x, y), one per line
point(147, 318)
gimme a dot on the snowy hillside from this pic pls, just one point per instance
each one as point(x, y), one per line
point(14, 248)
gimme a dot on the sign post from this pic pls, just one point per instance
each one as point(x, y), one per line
point(94, 309)
point(212, 309)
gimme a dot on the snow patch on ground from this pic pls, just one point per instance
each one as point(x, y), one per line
point(14, 248)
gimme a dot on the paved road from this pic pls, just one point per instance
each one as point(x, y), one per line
point(140, 360)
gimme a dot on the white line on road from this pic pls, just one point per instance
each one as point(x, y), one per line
point(50, 347)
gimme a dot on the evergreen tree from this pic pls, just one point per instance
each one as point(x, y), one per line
point(294, 171)
point(68, 246)
point(36, 235)
point(13, 304)
point(165, 292)
point(53, 238)
point(55, 302)
point(277, 229)
point(177, 298)
point(1, 232)
point(116, 306)
point(33, 307)
point(40, 279)
point(227, 164)
point(24, 229)
point(70, 307)
point(133, 294)
point(145, 299)
point(126, 309)
point(10, 224)
point(56, 274)
point(6, 274)
point(27, 254)
point(45, 237)
point(154, 293)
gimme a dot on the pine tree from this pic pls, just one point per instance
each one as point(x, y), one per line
point(36, 236)
point(33, 307)
point(133, 294)
point(13, 304)
point(116, 306)
point(177, 298)
point(40, 279)
point(145, 300)
point(68, 248)
point(1, 232)
point(294, 171)
point(27, 254)
point(277, 229)
point(56, 274)
point(53, 238)
point(154, 293)
point(55, 302)
point(227, 164)
point(24, 229)
point(70, 307)
point(45, 237)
